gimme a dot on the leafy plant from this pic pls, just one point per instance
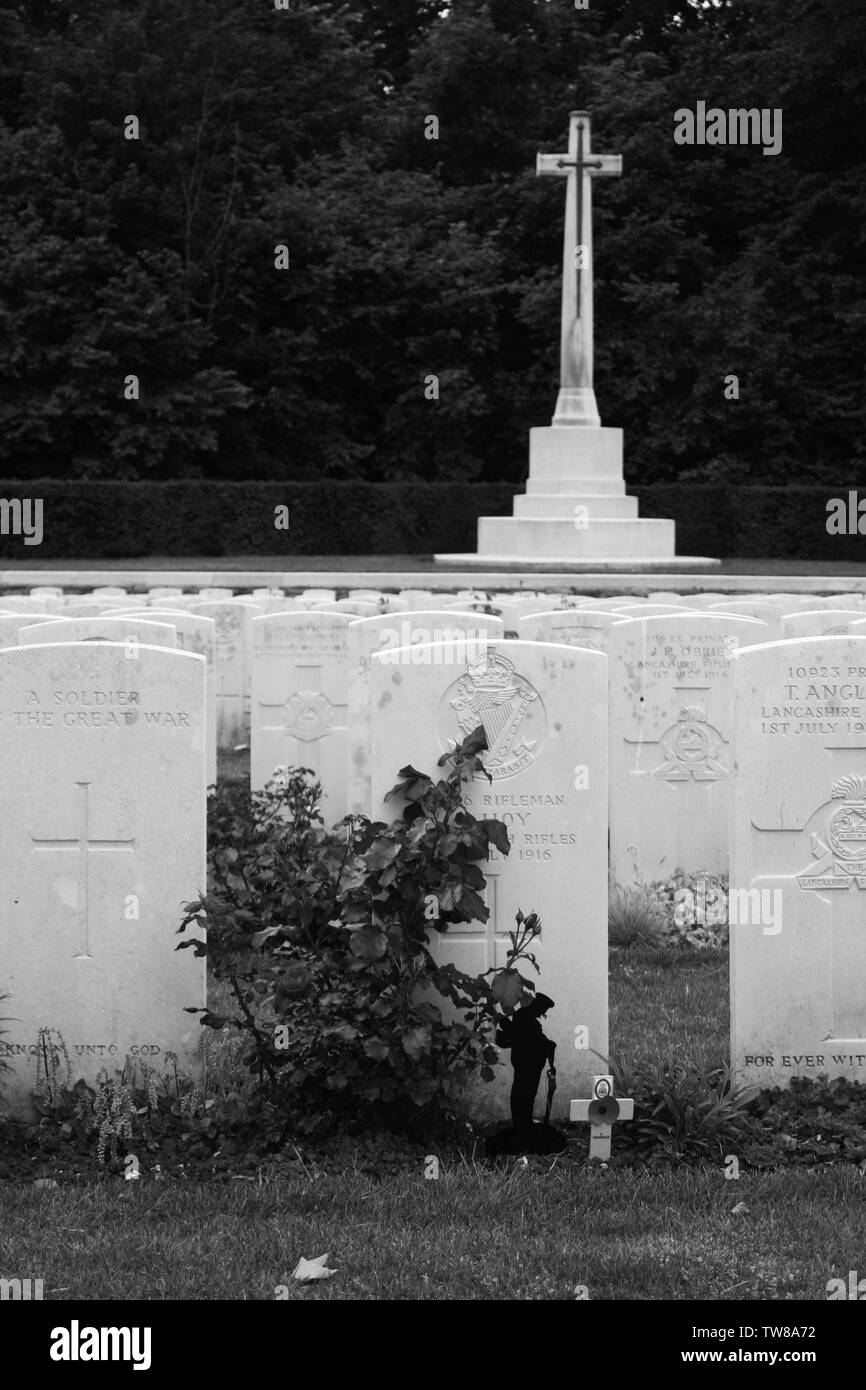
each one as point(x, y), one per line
point(136, 1107)
point(53, 1067)
point(323, 939)
point(694, 907)
point(812, 1120)
point(633, 915)
point(683, 1111)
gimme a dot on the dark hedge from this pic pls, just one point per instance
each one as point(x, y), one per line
point(128, 520)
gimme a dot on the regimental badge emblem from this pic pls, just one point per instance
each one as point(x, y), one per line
point(309, 715)
point(493, 694)
point(839, 853)
point(690, 749)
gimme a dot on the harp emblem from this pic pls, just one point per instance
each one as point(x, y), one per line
point(491, 693)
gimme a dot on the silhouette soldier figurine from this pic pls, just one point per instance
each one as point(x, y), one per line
point(530, 1050)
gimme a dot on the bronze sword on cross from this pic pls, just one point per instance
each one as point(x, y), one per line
point(576, 404)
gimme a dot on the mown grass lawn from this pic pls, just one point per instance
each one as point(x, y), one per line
point(670, 1003)
point(533, 1232)
point(530, 1233)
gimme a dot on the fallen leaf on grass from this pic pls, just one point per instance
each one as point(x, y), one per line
point(308, 1270)
point(739, 1210)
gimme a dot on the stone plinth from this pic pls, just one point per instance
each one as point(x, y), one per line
point(574, 509)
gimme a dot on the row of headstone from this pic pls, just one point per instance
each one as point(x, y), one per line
point(670, 719)
point(710, 731)
point(670, 776)
point(792, 766)
point(523, 615)
point(47, 598)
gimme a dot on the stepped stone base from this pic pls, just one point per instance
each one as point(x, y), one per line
point(537, 537)
point(575, 511)
point(565, 506)
point(567, 564)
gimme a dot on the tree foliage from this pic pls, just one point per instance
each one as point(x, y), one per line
point(412, 258)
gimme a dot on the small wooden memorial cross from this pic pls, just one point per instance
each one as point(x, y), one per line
point(601, 1112)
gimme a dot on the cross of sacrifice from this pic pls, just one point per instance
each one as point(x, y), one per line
point(601, 1112)
point(82, 845)
point(576, 403)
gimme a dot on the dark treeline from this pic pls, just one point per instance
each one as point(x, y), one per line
point(411, 256)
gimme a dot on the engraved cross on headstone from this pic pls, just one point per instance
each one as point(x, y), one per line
point(576, 403)
point(82, 845)
point(490, 936)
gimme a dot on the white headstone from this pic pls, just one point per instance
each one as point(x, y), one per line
point(651, 610)
point(787, 603)
point(12, 623)
point(194, 633)
point(177, 601)
point(704, 600)
point(90, 606)
point(545, 712)
point(102, 840)
point(300, 701)
point(808, 603)
point(232, 665)
point(98, 629)
point(460, 635)
point(50, 596)
point(420, 598)
point(769, 613)
point(21, 603)
point(605, 605)
point(820, 622)
point(513, 609)
point(355, 608)
point(570, 627)
point(470, 605)
point(798, 861)
point(671, 762)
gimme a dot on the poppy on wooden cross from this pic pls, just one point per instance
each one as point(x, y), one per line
point(601, 1112)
